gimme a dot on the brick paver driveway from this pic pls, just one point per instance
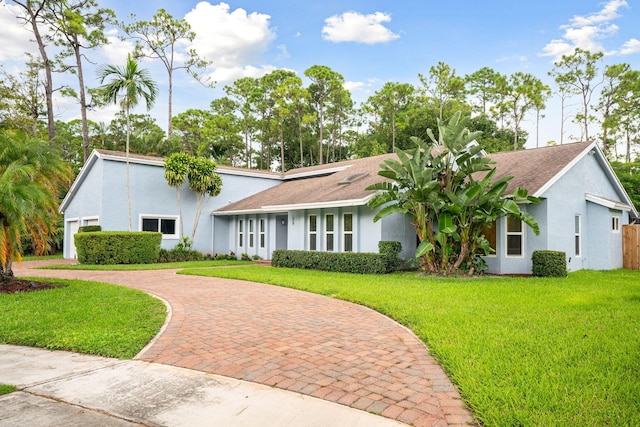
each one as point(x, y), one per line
point(293, 340)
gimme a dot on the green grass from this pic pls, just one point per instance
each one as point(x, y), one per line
point(57, 255)
point(131, 267)
point(522, 351)
point(85, 317)
point(6, 389)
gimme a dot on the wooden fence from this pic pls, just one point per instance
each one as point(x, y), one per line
point(631, 246)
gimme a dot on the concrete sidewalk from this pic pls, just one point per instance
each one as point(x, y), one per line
point(62, 388)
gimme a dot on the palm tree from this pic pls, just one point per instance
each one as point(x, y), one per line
point(32, 176)
point(127, 85)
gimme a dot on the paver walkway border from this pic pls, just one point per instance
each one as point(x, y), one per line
point(293, 340)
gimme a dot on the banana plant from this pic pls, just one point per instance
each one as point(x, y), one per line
point(449, 193)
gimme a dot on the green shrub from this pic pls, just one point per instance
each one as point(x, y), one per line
point(118, 247)
point(391, 250)
point(223, 257)
point(549, 264)
point(179, 255)
point(89, 228)
point(345, 262)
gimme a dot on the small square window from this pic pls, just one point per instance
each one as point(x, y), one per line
point(615, 224)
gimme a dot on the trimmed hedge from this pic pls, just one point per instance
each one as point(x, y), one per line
point(118, 247)
point(179, 255)
point(344, 262)
point(89, 228)
point(391, 249)
point(549, 264)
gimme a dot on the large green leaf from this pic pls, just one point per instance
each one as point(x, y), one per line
point(424, 247)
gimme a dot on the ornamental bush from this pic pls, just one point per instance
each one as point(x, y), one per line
point(549, 264)
point(344, 262)
point(391, 250)
point(89, 228)
point(118, 247)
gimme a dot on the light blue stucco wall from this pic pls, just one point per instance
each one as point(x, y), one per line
point(103, 194)
point(366, 233)
point(396, 227)
point(600, 246)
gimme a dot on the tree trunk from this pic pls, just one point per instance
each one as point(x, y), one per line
point(83, 102)
point(128, 184)
point(48, 81)
point(170, 115)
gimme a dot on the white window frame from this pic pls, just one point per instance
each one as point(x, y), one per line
point(261, 230)
point(175, 218)
point(508, 233)
point(345, 233)
point(577, 236)
point(328, 233)
point(252, 234)
point(88, 220)
point(240, 232)
point(313, 233)
point(615, 224)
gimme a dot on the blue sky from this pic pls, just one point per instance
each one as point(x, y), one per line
point(368, 42)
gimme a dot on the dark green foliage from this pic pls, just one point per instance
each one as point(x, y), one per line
point(89, 228)
point(225, 257)
point(118, 247)
point(179, 255)
point(344, 262)
point(549, 264)
point(391, 250)
point(629, 176)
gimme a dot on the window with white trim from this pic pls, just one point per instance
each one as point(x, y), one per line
point(515, 237)
point(251, 233)
point(313, 232)
point(578, 235)
point(261, 231)
point(240, 233)
point(615, 224)
point(167, 225)
point(347, 232)
point(329, 227)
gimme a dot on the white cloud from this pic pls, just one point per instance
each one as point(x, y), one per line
point(231, 74)
point(235, 41)
point(284, 53)
point(356, 27)
point(354, 86)
point(630, 46)
point(19, 36)
point(117, 50)
point(608, 13)
point(586, 32)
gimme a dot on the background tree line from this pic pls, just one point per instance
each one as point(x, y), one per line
point(278, 121)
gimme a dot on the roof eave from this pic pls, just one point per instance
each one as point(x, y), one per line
point(295, 207)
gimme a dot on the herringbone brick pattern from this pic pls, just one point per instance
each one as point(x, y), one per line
point(302, 342)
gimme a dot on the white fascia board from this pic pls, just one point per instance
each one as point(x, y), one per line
point(84, 170)
point(611, 204)
point(132, 160)
point(564, 170)
point(296, 207)
point(249, 173)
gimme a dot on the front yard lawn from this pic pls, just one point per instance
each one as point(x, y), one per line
point(522, 351)
point(86, 317)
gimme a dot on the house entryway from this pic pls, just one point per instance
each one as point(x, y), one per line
point(282, 231)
